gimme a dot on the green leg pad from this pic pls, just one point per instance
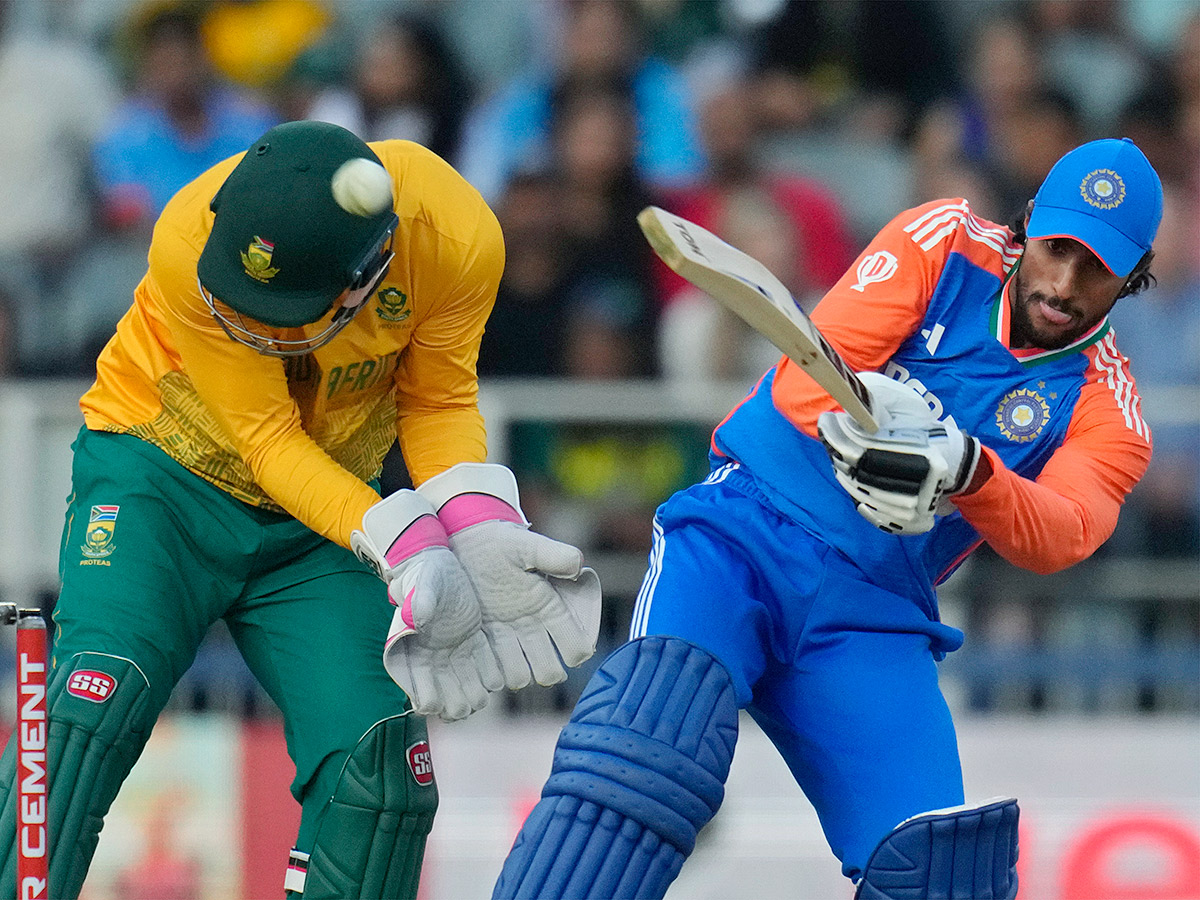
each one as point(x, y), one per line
point(371, 838)
point(99, 722)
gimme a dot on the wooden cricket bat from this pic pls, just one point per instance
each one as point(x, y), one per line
point(747, 288)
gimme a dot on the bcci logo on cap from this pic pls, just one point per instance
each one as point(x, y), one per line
point(1103, 189)
point(420, 762)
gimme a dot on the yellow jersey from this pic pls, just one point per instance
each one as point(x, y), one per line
point(304, 435)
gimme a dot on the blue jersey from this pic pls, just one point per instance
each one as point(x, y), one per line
point(949, 273)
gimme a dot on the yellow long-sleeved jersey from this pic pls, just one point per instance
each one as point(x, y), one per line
point(304, 435)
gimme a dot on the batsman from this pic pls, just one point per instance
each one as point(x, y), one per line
point(798, 580)
point(306, 303)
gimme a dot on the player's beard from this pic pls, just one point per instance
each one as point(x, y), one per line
point(1023, 331)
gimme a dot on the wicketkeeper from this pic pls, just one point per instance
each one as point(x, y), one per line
point(306, 304)
point(798, 580)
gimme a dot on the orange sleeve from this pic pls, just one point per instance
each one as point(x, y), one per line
point(1064, 515)
point(868, 314)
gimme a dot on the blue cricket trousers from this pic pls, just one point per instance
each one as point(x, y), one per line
point(839, 673)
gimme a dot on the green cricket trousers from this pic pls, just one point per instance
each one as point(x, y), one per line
point(152, 555)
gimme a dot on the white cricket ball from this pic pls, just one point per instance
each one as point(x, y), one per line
point(362, 187)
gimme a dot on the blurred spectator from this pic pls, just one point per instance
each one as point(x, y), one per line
point(8, 335)
point(1185, 71)
point(1004, 129)
point(730, 123)
point(55, 96)
point(600, 41)
point(1086, 53)
point(699, 339)
point(960, 137)
point(179, 120)
point(407, 83)
point(1159, 331)
point(609, 292)
point(526, 332)
point(874, 65)
point(254, 43)
point(1037, 132)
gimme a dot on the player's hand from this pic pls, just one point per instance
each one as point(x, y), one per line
point(541, 605)
point(900, 477)
point(436, 648)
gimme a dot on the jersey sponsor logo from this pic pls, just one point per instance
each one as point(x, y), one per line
point(1103, 189)
point(420, 762)
point(98, 538)
point(392, 305)
point(933, 337)
point(879, 266)
point(899, 373)
point(91, 685)
point(1022, 414)
point(256, 260)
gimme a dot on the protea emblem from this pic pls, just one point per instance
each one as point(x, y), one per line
point(392, 305)
point(256, 260)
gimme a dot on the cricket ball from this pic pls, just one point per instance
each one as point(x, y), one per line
point(362, 187)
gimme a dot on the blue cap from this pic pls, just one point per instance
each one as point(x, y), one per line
point(1106, 195)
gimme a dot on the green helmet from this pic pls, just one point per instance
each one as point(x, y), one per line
point(282, 249)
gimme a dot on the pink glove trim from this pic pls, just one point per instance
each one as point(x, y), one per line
point(423, 533)
point(466, 510)
point(406, 611)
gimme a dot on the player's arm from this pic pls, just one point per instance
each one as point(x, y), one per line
point(438, 420)
point(247, 395)
point(540, 604)
point(255, 410)
point(1071, 508)
point(875, 306)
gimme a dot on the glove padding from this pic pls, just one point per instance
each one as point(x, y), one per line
point(541, 606)
point(901, 477)
point(436, 649)
point(539, 602)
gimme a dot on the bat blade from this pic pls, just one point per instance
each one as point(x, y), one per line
point(747, 288)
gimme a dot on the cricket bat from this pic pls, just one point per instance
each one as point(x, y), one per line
point(747, 288)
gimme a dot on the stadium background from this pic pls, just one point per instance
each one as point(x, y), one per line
point(1079, 693)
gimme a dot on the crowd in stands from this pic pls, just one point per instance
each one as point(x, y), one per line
point(794, 129)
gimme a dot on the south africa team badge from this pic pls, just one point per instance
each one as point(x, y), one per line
point(392, 305)
point(1022, 414)
point(98, 539)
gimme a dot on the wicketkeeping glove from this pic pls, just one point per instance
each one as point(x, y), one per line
point(541, 606)
point(901, 477)
point(436, 648)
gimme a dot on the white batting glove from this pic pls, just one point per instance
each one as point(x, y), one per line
point(901, 477)
point(541, 606)
point(436, 649)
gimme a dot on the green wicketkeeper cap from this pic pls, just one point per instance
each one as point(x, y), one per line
point(282, 249)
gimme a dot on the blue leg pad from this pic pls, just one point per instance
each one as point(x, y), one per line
point(637, 772)
point(965, 853)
